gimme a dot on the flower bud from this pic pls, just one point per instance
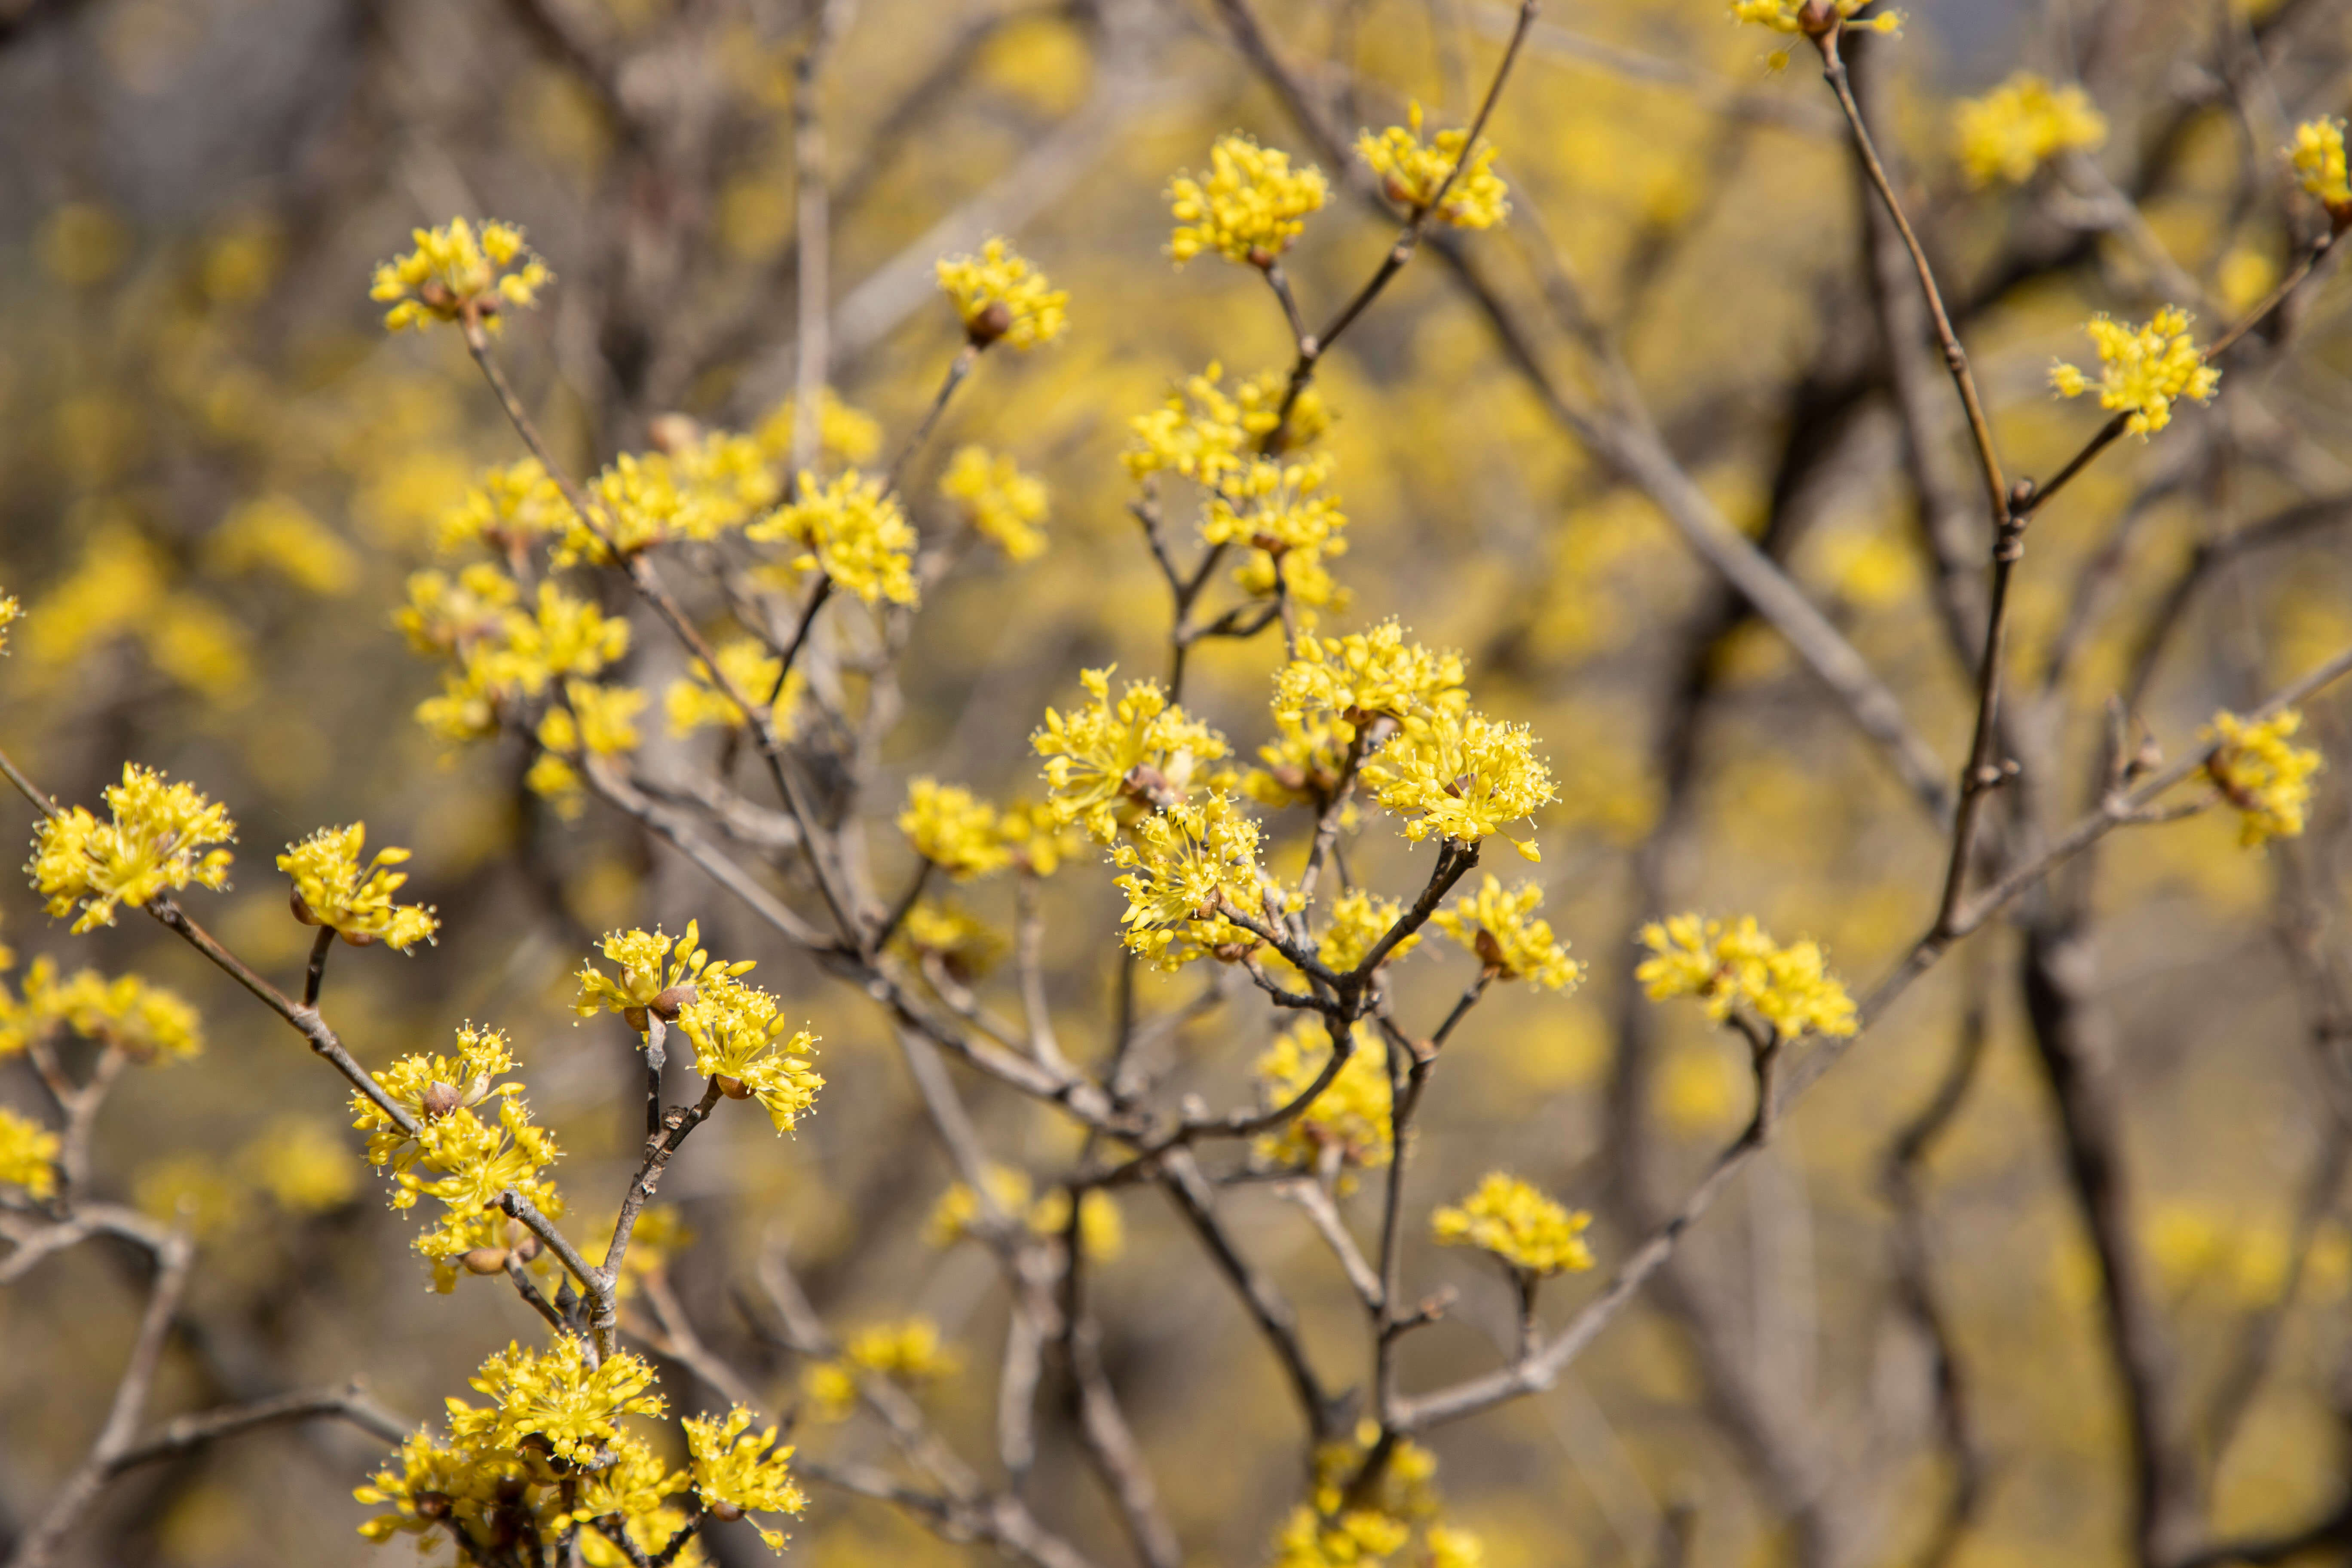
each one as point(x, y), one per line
point(992, 324)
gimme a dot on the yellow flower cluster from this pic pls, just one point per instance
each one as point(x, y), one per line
point(1248, 207)
point(1461, 776)
point(1411, 171)
point(9, 612)
point(507, 510)
point(1281, 512)
point(2142, 369)
point(1101, 1233)
point(999, 295)
point(910, 1351)
point(1790, 987)
point(657, 971)
point(1347, 1122)
point(456, 270)
point(1358, 1538)
point(708, 485)
point(956, 937)
point(465, 1161)
point(503, 653)
point(332, 889)
point(1141, 749)
point(843, 433)
point(28, 1154)
point(550, 1456)
point(1205, 433)
point(602, 721)
point(999, 500)
point(2022, 124)
point(1185, 862)
point(1349, 680)
point(1359, 921)
point(735, 1473)
point(952, 830)
point(144, 1021)
point(1500, 928)
point(159, 838)
point(278, 534)
point(853, 530)
point(1797, 16)
point(746, 664)
point(1518, 1224)
point(2260, 773)
point(2319, 165)
point(742, 1045)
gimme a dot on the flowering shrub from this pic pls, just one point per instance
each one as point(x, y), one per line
point(1091, 770)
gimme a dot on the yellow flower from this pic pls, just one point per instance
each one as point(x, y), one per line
point(1451, 1548)
point(28, 1154)
point(2142, 369)
point(1518, 1224)
point(279, 534)
point(9, 612)
point(1373, 672)
point(1460, 775)
point(735, 1474)
point(751, 1053)
point(1359, 921)
point(999, 500)
point(557, 1395)
point(956, 937)
point(1038, 840)
point(2258, 771)
point(1000, 294)
point(450, 615)
point(651, 965)
point(161, 838)
point(507, 510)
point(954, 1217)
point(303, 1164)
point(1499, 927)
point(2319, 163)
point(910, 1350)
point(456, 270)
point(2021, 125)
point(1792, 15)
point(1184, 863)
point(951, 830)
point(1281, 511)
point(332, 889)
point(145, 1021)
point(455, 1157)
point(1411, 171)
point(853, 530)
point(1249, 205)
point(1349, 1120)
point(1142, 750)
point(1724, 967)
point(746, 664)
point(1358, 1538)
point(843, 435)
point(699, 490)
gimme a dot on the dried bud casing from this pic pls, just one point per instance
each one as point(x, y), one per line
point(725, 1512)
point(440, 1099)
point(732, 1088)
point(485, 1260)
point(671, 1001)
point(1490, 953)
point(634, 1017)
point(673, 433)
point(302, 907)
point(993, 321)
